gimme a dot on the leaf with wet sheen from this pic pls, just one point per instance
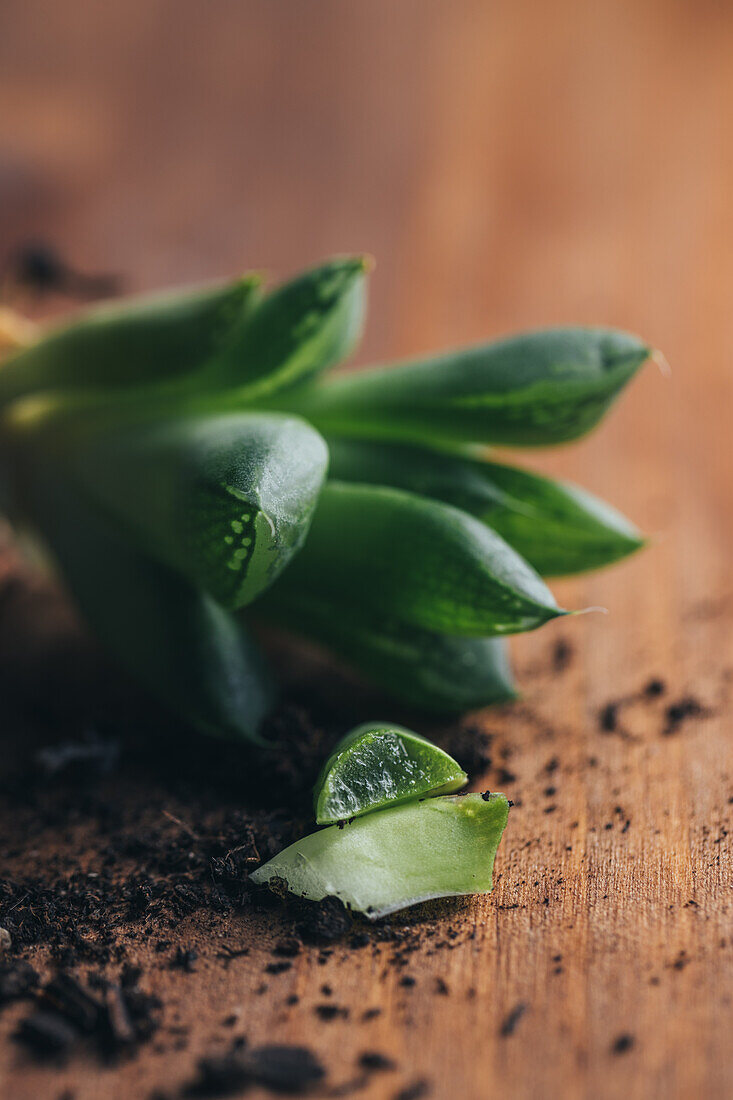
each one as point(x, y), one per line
point(557, 527)
point(378, 765)
point(533, 389)
point(225, 500)
point(417, 562)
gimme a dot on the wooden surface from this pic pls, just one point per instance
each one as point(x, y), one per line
point(509, 164)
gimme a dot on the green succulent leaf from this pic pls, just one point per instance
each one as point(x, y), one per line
point(378, 765)
point(557, 527)
point(436, 672)
point(534, 389)
point(179, 643)
point(303, 327)
point(418, 562)
point(387, 861)
point(133, 342)
point(224, 500)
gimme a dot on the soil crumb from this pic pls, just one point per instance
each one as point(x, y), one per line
point(622, 1043)
point(511, 1020)
point(679, 711)
point(285, 1069)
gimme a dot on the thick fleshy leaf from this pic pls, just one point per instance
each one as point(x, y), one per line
point(557, 527)
point(533, 389)
point(418, 562)
point(133, 342)
point(436, 672)
point(386, 861)
point(179, 643)
point(378, 765)
point(302, 327)
point(224, 500)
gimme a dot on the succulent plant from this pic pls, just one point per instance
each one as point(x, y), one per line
point(173, 453)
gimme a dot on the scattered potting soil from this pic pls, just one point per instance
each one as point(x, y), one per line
point(114, 834)
point(674, 714)
point(170, 829)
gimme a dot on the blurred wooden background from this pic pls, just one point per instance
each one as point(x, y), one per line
point(510, 164)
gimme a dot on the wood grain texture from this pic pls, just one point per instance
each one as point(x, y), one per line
point(510, 165)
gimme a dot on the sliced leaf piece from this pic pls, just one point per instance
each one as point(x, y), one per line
point(303, 327)
point(534, 389)
point(385, 861)
point(556, 526)
point(179, 643)
point(224, 500)
point(133, 342)
point(378, 765)
point(418, 562)
point(419, 667)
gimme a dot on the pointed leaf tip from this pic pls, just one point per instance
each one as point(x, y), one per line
point(418, 562)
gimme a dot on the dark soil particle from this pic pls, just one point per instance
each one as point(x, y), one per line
point(321, 922)
point(681, 961)
point(416, 1091)
point(278, 967)
point(330, 1012)
point(562, 655)
point(284, 1069)
point(287, 948)
point(17, 979)
point(185, 959)
point(372, 1060)
point(362, 939)
point(112, 1017)
point(511, 1020)
point(622, 1043)
point(46, 1035)
point(679, 711)
point(38, 267)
